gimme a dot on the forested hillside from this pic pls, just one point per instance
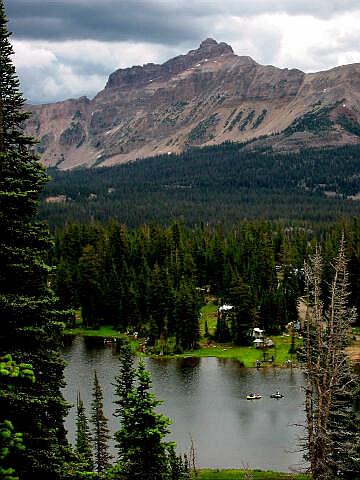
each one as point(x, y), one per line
point(153, 279)
point(213, 185)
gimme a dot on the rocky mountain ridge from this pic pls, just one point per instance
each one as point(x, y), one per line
point(206, 97)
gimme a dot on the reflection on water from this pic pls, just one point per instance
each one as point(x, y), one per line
point(205, 398)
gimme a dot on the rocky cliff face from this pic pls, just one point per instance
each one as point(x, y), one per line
point(205, 97)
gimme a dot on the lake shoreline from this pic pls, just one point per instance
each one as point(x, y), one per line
point(245, 355)
point(237, 474)
point(206, 399)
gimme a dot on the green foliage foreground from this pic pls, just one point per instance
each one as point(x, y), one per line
point(31, 324)
point(209, 474)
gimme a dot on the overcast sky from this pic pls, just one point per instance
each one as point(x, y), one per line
point(67, 48)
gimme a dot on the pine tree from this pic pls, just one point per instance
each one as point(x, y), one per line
point(177, 468)
point(10, 375)
point(143, 453)
point(90, 286)
point(160, 304)
point(327, 371)
point(124, 382)
point(187, 317)
point(65, 287)
point(12, 115)
point(83, 439)
point(30, 329)
point(100, 430)
point(243, 315)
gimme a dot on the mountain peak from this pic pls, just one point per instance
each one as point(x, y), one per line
point(207, 42)
point(213, 47)
point(204, 97)
point(141, 75)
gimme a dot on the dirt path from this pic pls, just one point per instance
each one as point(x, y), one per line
point(354, 350)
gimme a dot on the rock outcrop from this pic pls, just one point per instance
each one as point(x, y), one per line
point(208, 96)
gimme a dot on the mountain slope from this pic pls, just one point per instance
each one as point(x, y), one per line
point(205, 97)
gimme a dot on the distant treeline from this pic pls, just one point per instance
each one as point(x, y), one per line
point(152, 279)
point(220, 184)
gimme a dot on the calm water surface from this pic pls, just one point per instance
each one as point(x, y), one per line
point(205, 398)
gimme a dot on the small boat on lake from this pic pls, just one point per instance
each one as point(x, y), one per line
point(253, 396)
point(277, 395)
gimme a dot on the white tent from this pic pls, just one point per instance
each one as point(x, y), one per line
point(258, 330)
point(225, 307)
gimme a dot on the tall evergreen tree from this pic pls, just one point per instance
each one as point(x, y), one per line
point(178, 470)
point(160, 300)
point(243, 315)
point(187, 306)
point(30, 330)
point(124, 382)
point(100, 429)
point(90, 286)
point(83, 438)
point(143, 453)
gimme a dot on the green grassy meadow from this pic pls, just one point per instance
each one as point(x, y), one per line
point(209, 315)
point(247, 355)
point(210, 474)
point(103, 331)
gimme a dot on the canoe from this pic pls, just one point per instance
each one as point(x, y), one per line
point(253, 397)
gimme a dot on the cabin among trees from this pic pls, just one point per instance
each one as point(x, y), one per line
point(154, 279)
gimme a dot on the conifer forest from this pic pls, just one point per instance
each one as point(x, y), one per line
point(143, 249)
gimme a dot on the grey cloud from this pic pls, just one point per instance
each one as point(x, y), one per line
point(341, 44)
point(155, 30)
point(156, 21)
point(109, 20)
point(85, 66)
point(44, 85)
point(324, 58)
point(315, 8)
point(350, 40)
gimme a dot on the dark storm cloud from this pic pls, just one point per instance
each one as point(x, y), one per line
point(159, 21)
point(84, 65)
point(67, 48)
point(108, 20)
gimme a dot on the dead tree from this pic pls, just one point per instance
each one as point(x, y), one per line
point(327, 370)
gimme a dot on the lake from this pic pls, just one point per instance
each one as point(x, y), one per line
point(205, 398)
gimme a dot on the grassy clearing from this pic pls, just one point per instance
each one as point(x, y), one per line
point(106, 331)
point(209, 315)
point(246, 355)
point(209, 474)
point(103, 331)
